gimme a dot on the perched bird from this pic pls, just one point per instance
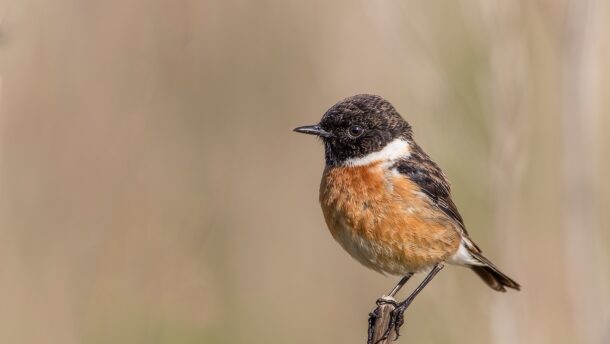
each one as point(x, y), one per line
point(387, 203)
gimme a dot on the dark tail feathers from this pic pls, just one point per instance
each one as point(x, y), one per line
point(492, 275)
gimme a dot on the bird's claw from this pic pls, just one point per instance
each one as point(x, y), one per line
point(397, 319)
point(371, 330)
point(386, 300)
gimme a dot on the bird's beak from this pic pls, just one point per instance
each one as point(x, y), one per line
point(313, 130)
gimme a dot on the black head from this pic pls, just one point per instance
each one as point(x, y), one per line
point(358, 126)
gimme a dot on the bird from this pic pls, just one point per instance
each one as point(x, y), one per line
point(388, 204)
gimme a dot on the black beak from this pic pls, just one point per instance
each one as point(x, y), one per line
point(313, 130)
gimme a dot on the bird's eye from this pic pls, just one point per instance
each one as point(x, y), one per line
point(355, 131)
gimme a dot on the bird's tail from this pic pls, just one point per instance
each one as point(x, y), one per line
point(489, 273)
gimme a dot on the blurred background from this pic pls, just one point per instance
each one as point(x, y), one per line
point(151, 189)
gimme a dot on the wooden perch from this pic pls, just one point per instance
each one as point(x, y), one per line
point(381, 320)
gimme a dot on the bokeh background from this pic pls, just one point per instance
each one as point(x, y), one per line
point(151, 189)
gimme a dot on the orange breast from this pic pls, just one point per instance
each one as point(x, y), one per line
point(384, 221)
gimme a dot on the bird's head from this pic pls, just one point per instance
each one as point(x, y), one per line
point(361, 129)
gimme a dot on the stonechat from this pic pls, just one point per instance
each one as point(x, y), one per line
point(387, 203)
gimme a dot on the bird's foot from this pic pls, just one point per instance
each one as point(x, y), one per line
point(375, 314)
point(387, 300)
point(397, 318)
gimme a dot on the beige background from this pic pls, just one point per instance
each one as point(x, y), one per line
point(151, 189)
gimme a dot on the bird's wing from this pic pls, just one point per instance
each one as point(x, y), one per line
point(420, 169)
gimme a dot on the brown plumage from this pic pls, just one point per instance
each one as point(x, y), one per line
point(383, 222)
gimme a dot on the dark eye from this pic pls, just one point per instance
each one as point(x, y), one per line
point(355, 131)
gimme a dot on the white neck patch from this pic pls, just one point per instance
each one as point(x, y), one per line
point(394, 150)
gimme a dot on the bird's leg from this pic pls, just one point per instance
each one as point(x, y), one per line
point(384, 300)
point(400, 284)
point(390, 297)
point(397, 315)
